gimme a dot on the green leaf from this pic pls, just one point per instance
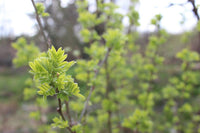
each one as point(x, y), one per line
point(41, 10)
point(46, 90)
point(114, 38)
point(58, 122)
point(139, 121)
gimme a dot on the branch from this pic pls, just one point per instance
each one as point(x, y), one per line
point(59, 110)
point(40, 25)
point(92, 87)
point(195, 10)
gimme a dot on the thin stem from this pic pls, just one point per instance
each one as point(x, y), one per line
point(195, 10)
point(59, 110)
point(92, 87)
point(40, 25)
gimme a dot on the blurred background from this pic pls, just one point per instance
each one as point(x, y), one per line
point(17, 19)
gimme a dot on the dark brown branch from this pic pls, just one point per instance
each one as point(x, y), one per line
point(40, 25)
point(59, 109)
point(195, 10)
point(92, 87)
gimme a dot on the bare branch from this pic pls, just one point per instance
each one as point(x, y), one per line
point(92, 87)
point(40, 25)
point(195, 10)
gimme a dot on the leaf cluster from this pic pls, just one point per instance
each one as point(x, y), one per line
point(25, 52)
point(50, 70)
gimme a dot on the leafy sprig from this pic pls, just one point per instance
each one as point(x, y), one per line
point(50, 70)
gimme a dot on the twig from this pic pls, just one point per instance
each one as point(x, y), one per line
point(195, 10)
point(40, 25)
point(92, 87)
point(59, 110)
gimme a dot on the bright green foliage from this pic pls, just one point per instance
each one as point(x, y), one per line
point(41, 10)
point(84, 72)
point(178, 114)
point(50, 69)
point(75, 106)
point(87, 19)
point(186, 108)
point(46, 90)
point(25, 52)
point(133, 16)
point(114, 39)
point(139, 122)
point(73, 89)
point(146, 100)
point(156, 20)
point(109, 10)
point(87, 35)
point(58, 122)
point(188, 55)
point(77, 128)
point(170, 92)
point(94, 53)
point(82, 5)
point(114, 82)
point(109, 105)
point(45, 128)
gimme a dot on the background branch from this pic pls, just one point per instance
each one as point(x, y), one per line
point(40, 25)
point(195, 10)
point(92, 87)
